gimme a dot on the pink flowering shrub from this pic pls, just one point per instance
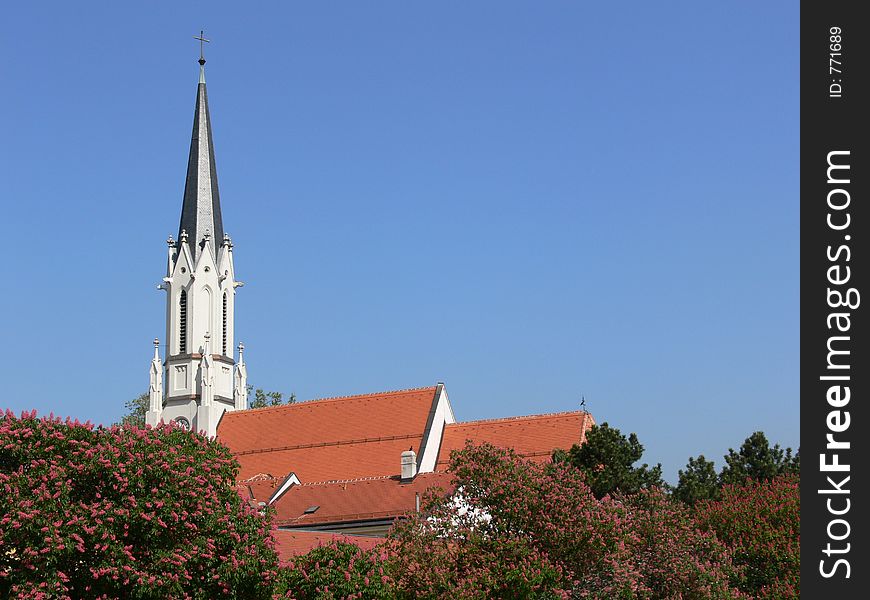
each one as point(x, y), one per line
point(517, 529)
point(760, 523)
point(336, 570)
point(444, 559)
point(124, 512)
point(661, 553)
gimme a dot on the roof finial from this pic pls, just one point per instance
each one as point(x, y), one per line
point(202, 41)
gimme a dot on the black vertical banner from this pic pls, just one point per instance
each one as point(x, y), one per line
point(835, 299)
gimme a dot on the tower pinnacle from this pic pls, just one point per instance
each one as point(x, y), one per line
point(200, 211)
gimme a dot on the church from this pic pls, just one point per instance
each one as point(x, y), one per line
point(380, 451)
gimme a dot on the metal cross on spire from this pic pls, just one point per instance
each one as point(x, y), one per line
point(202, 41)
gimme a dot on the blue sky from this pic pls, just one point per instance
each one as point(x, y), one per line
point(527, 201)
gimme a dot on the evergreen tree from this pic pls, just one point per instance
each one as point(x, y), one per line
point(607, 460)
point(698, 482)
point(757, 460)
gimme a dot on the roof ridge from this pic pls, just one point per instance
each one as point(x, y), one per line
point(327, 399)
point(258, 477)
point(369, 478)
point(353, 480)
point(520, 418)
point(382, 393)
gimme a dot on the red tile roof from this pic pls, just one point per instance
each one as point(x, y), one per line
point(354, 500)
point(291, 543)
point(332, 438)
point(533, 437)
point(347, 451)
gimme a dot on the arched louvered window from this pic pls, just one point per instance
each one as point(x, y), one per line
point(225, 324)
point(182, 322)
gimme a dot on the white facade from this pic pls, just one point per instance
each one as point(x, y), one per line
point(200, 366)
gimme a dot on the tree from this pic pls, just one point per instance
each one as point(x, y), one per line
point(259, 400)
point(136, 409)
point(760, 523)
point(469, 544)
point(757, 460)
point(607, 461)
point(125, 512)
point(336, 570)
point(698, 482)
point(263, 399)
point(517, 529)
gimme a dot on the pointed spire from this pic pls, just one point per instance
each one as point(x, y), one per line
point(201, 210)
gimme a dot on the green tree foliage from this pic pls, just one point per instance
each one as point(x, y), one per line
point(136, 409)
point(757, 460)
point(125, 512)
point(698, 481)
point(259, 400)
point(336, 570)
point(607, 460)
point(760, 523)
point(518, 529)
point(263, 399)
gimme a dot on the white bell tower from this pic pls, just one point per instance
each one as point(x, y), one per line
point(202, 379)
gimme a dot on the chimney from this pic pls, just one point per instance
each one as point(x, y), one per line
point(409, 465)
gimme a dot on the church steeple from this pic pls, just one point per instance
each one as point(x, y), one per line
point(201, 207)
point(202, 379)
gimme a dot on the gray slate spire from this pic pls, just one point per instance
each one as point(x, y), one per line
point(201, 210)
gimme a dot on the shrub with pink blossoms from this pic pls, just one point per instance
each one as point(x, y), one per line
point(336, 570)
point(446, 555)
point(760, 522)
point(521, 529)
point(124, 512)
